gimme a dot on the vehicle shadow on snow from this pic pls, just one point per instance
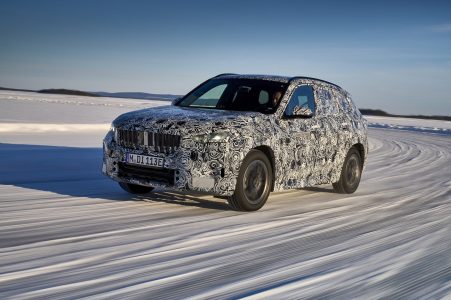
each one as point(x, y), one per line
point(76, 172)
point(323, 189)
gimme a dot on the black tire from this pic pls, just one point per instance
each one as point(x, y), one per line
point(135, 189)
point(251, 196)
point(350, 173)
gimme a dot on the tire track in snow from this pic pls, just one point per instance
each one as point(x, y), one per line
point(389, 239)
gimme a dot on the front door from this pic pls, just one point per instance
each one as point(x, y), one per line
point(304, 133)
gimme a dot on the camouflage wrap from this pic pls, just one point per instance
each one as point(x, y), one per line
point(304, 151)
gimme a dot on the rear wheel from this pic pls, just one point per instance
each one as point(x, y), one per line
point(135, 189)
point(253, 184)
point(350, 173)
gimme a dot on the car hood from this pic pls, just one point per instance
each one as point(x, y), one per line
point(175, 118)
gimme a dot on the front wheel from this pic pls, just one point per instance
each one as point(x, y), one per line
point(253, 184)
point(135, 189)
point(350, 173)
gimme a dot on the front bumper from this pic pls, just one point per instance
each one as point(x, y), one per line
point(201, 167)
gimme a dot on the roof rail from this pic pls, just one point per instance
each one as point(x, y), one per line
point(312, 78)
point(223, 74)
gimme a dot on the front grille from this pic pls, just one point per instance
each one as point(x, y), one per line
point(159, 142)
point(165, 176)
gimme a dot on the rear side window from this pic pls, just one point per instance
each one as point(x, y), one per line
point(344, 103)
point(302, 98)
point(354, 110)
point(330, 102)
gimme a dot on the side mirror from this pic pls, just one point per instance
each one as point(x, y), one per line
point(302, 111)
point(175, 101)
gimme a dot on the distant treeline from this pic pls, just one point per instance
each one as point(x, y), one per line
point(379, 112)
point(67, 92)
point(147, 96)
point(16, 90)
point(132, 95)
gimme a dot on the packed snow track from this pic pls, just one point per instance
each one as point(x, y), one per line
point(68, 232)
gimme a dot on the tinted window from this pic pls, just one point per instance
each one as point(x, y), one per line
point(236, 94)
point(263, 98)
point(302, 98)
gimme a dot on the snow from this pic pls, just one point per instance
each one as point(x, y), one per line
point(39, 127)
point(409, 122)
point(418, 125)
point(25, 107)
point(66, 231)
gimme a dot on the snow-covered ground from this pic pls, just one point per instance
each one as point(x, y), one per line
point(417, 125)
point(68, 232)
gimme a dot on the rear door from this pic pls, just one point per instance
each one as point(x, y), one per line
point(331, 122)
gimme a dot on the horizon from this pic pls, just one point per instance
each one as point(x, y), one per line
point(389, 56)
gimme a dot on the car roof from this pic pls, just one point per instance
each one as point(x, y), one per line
point(284, 79)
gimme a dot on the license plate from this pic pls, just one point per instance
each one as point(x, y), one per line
point(144, 160)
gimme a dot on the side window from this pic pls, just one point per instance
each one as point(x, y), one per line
point(301, 99)
point(330, 103)
point(355, 111)
point(211, 97)
point(343, 102)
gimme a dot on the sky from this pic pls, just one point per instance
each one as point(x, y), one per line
point(390, 55)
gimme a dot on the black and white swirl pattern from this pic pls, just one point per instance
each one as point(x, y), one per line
point(306, 151)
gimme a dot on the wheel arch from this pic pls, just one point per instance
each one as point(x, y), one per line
point(270, 155)
point(339, 163)
point(361, 150)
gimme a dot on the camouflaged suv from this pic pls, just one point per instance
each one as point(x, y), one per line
point(242, 136)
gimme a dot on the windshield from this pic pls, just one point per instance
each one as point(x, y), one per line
point(237, 94)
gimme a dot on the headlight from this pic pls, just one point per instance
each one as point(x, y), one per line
point(214, 137)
